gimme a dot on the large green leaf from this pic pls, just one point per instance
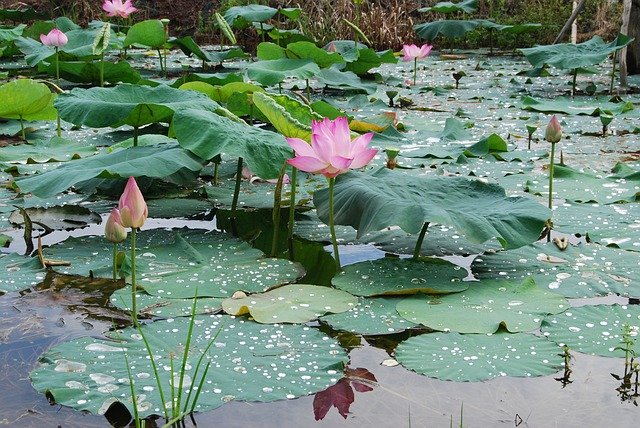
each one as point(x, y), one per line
point(190, 47)
point(592, 106)
point(27, 99)
point(152, 161)
point(569, 56)
point(367, 58)
point(295, 303)
point(127, 105)
point(308, 50)
point(450, 29)
point(89, 72)
point(578, 271)
point(466, 6)
point(346, 80)
point(596, 330)
point(149, 33)
point(485, 307)
point(272, 72)
point(290, 117)
point(249, 362)
point(388, 276)
point(370, 317)
point(207, 134)
point(243, 16)
point(481, 211)
point(475, 357)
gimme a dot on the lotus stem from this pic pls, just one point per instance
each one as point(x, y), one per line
point(185, 355)
point(102, 69)
point(134, 309)
point(423, 232)
point(135, 136)
point(215, 173)
point(115, 261)
point(332, 227)
point(22, 132)
point(160, 59)
point(275, 216)
point(308, 92)
point(57, 67)
point(553, 150)
point(292, 210)
point(262, 32)
point(134, 399)
point(234, 202)
point(59, 126)
point(415, 70)
point(573, 83)
point(613, 73)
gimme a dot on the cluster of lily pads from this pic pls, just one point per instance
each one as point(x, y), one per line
point(187, 136)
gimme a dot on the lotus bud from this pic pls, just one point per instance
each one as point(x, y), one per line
point(54, 38)
point(133, 208)
point(553, 134)
point(114, 231)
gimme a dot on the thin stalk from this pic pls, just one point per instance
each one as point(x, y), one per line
point(262, 31)
point(134, 309)
point(573, 83)
point(185, 355)
point(134, 400)
point(59, 126)
point(155, 373)
point(336, 254)
point(215, 173)
point(275, 216)
point(200, 384)
point(102, 69)
point(57, 67)
point(308, 92)
point(174, 410)
point(24, 135)
point(292, 210)
point(160, 58)
point(613, 74)
point(553, 150)
point(204, 375)
point(115, 261)
point(135, 136)
point(234, 202)
point(415, 70)
point(423, 232)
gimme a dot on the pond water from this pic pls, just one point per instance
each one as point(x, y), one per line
point(488, 101)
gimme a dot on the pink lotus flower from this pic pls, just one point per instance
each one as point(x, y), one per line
point(54, 38)
point(412, 52)
point(117, 8)
point(114, 231)
point(132, 207)
point(553, 133)
point(331, 151)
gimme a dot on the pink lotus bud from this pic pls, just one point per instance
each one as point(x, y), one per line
point(553, 134)
point(114, 231)
point(133, 208)
point(55, 38)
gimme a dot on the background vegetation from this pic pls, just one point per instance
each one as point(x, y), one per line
point(387, 23)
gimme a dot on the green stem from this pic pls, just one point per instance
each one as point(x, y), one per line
point(24, 135)
point(160, 58)
point(262, 31)
point(573, 83)
point(134, 309)
point(553, 151)
point(423, 232)
point(102, 69)
point(57, 67)
point(215, 173)
point(415, 70)
point(135, 136)
point(134, 399)
point(336, 254)
point(292, 210)
point(155, 372)
point(234, 202)
point(275, 216)
point(308, 92)
point(115, 261)
point(613, 74)
point(59, 127)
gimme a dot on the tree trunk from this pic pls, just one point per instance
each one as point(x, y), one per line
point(633, 50)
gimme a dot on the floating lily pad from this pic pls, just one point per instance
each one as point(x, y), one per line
point(157, 306)
point(19, 272)
point(275, 71)
point(484, 308)
point(174, 264)
point(294, 303)
point(370, 317)
point(475, 357)
point(249, 362)
point(578, 271)
point(67, 217)
point(592, 106)
point(57, 149)
point(401, 276)
point(595, 330)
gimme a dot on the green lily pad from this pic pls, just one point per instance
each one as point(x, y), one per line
point(190, 47)
point(294, 303)
point(373, 316)
point(39, 151)
point(578, 271)
point(174, 264)
point(449, 28)
point(249, 362)
point(446, 7)
point(67, 217)
point(158, 306)
point(595, 330)
point(389, 276)
point(346, 80)
point(593, 106)
point(157, 161)
point(275, 71)
point(575, 185)
point(475, 357)
point(127, 104)
point(19, 272)
point(485, 307)
point(480, 211)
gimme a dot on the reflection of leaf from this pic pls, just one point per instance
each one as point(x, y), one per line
point(341, 394)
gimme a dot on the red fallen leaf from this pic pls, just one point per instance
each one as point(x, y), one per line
point(339, 395)
point(359, 373)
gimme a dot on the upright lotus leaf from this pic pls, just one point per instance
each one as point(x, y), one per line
point(27, 99)
point(346, 80)
point(308, 50)
point(592, 106)
point(595, 330)
point(149, 33)
point(478, 357)
point(485, 307)
point(10, 34)
point(567, 56)
point(367, 58)
point(19, 272)
point(190, 47)
point(290, 117)
point(243, 16)
point(215, 79)
point(249, 362)
point(90, 72)
point(272, 72)
point(127, 104)
point(158, 161)
point(480, 211)
point(465, 6)
point(294, 303)
point(574, 185)
point(207, 134)
point(581, 271)
point(450, 29)
point(373, 316)
point(391, 276)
